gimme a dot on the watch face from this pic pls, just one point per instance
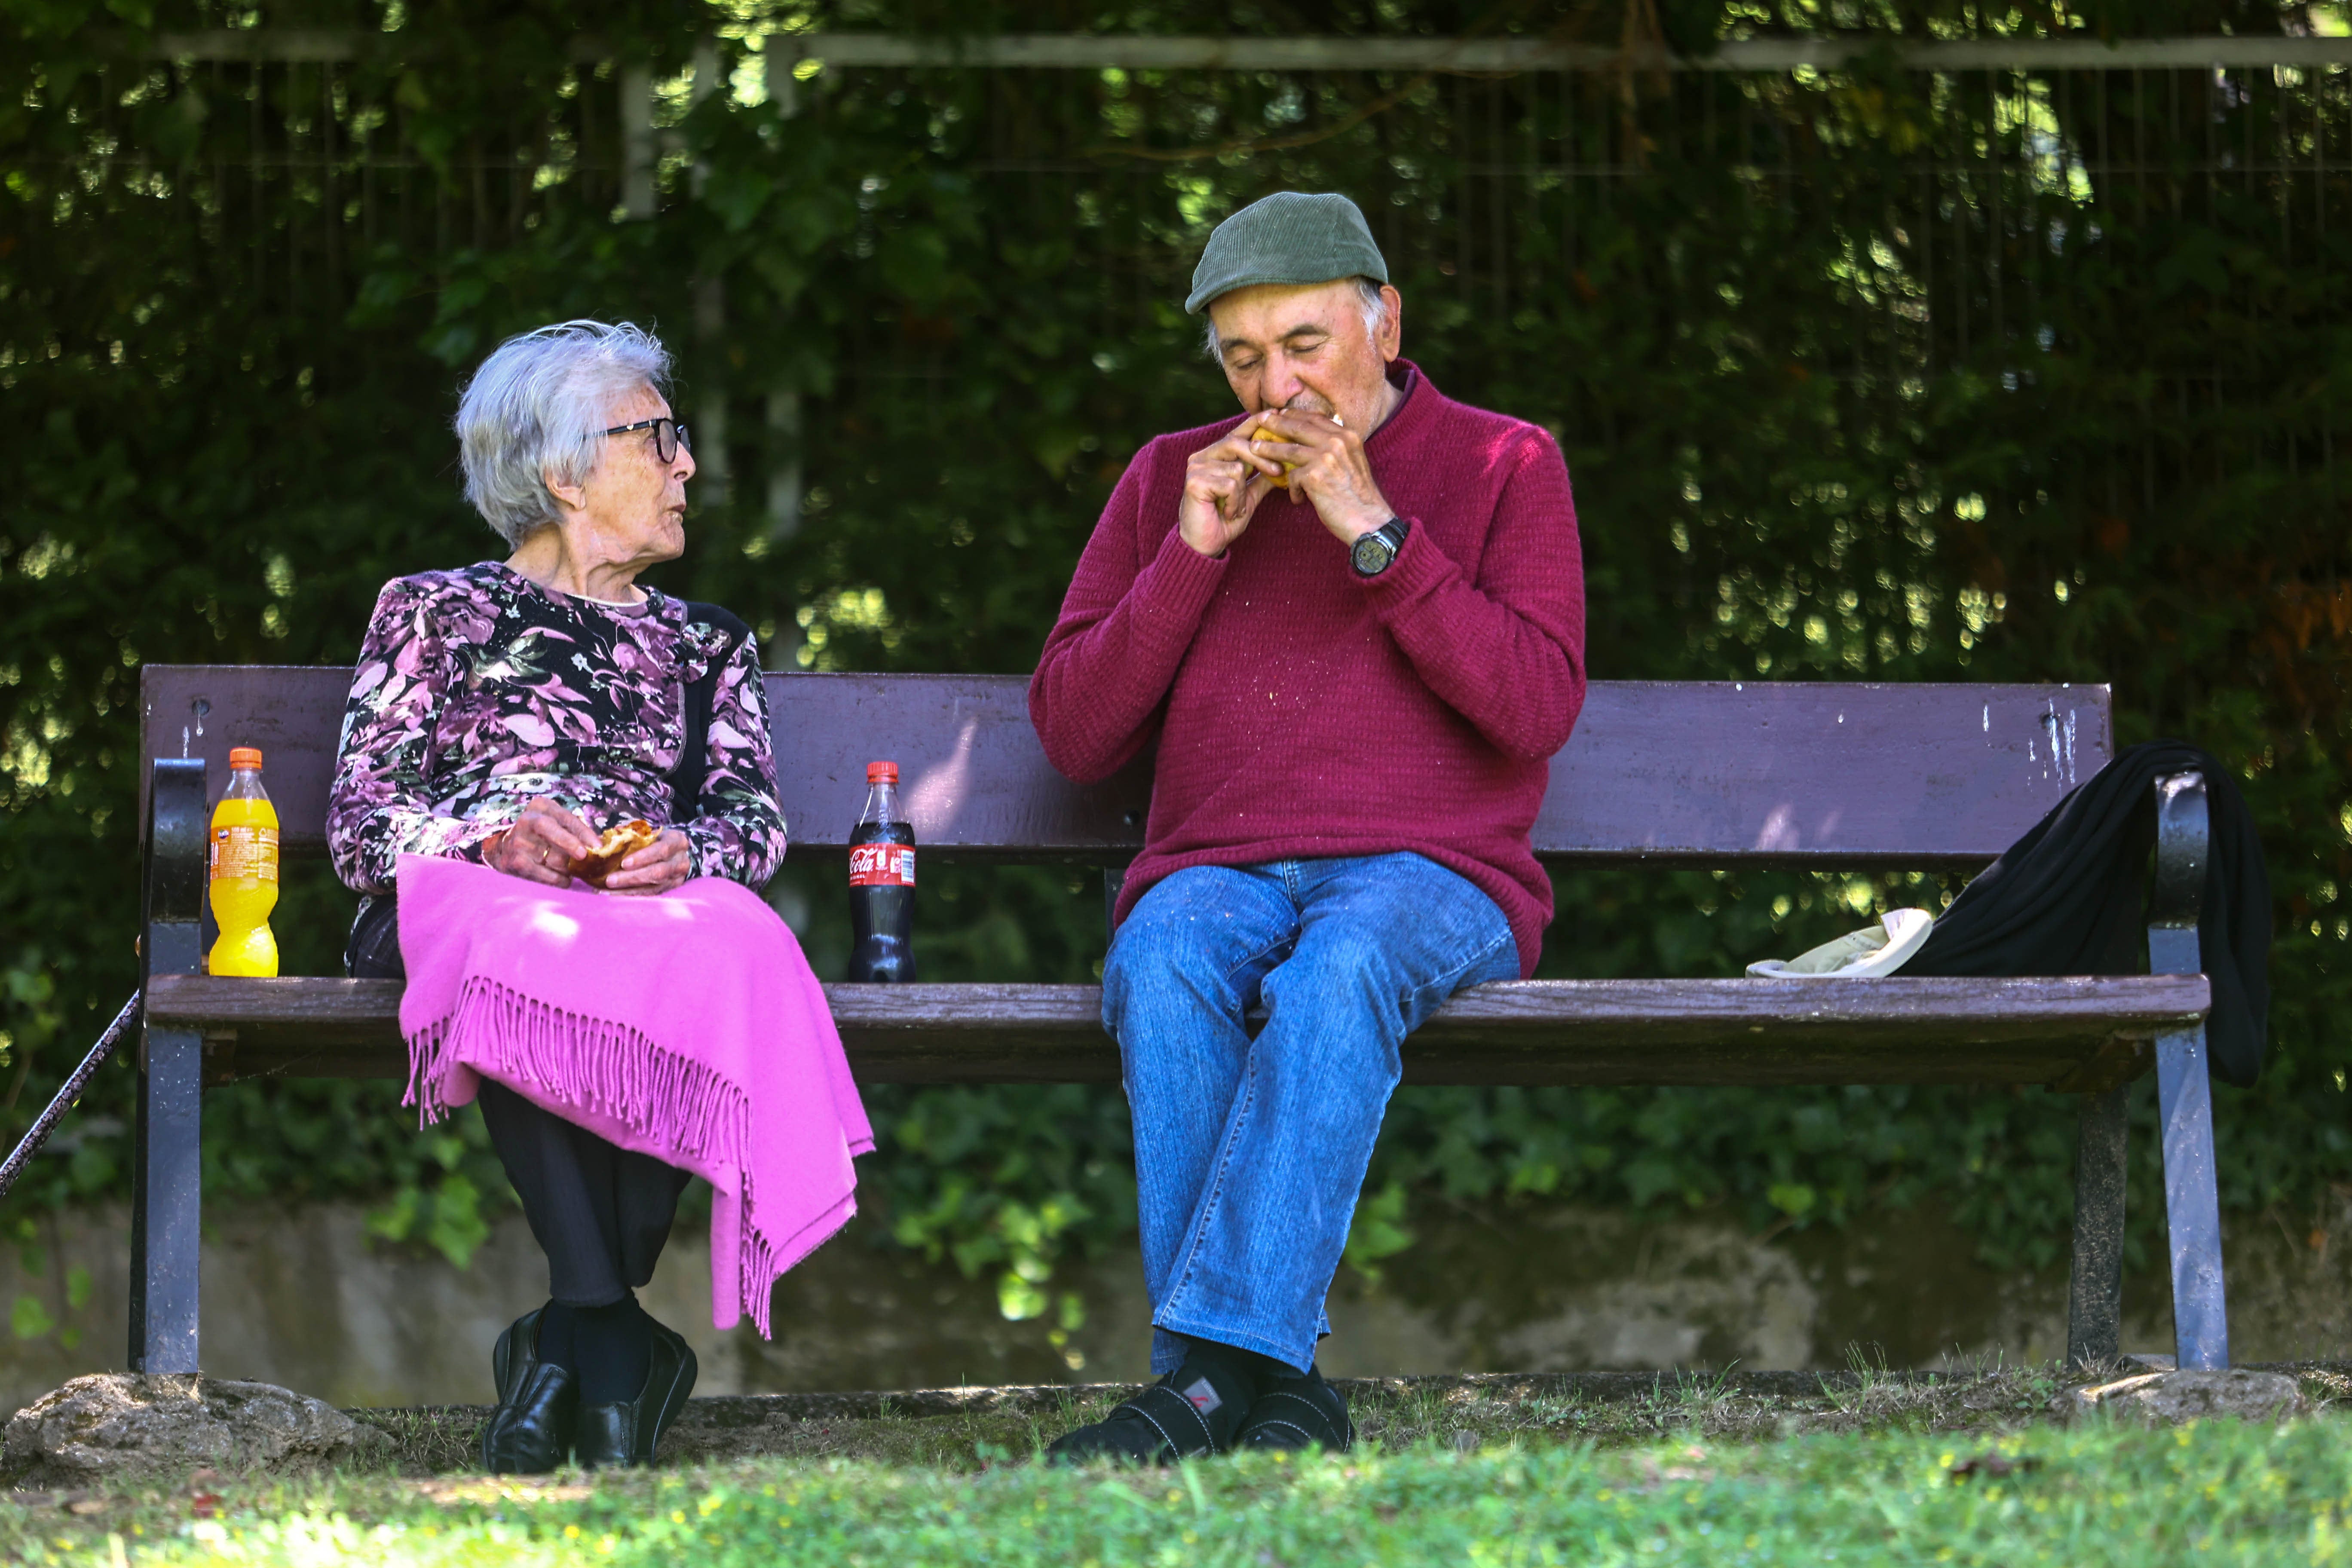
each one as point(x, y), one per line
point(1372, 553)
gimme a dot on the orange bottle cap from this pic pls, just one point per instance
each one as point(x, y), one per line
point(244, 756)
point(881, 773)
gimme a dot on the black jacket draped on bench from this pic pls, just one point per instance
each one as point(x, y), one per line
point(2065, 898)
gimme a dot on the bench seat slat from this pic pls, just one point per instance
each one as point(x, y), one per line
point(1899, 1030)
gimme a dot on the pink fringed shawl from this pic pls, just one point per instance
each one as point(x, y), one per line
point(686, 1027)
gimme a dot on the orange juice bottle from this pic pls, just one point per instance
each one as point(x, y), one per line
point(244, 871)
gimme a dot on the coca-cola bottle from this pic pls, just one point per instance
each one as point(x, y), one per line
point(882, 883)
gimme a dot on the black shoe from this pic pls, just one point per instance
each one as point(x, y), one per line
point(608, 1436)
point(1192, 1411)
point(531, 1431)
point(530, 1434)
point(515, 1355)
point(1299, 1412)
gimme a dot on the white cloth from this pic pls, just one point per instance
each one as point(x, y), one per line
point(1865, 954)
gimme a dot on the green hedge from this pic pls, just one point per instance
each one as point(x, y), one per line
point(1861, 375)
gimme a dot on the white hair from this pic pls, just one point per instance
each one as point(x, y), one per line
point(1367, 297)
point(539, 407)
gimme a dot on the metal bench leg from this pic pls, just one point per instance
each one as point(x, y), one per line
point(2095, 1285)
point(167, 1158)
point(167, 1202)
point(2192, 1199)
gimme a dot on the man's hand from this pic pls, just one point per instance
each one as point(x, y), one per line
point(541, 845)
point(1223, 485)
point(660, 866)
point(1331, 470)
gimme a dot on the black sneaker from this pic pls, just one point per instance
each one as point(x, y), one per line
point(1299, 1412)
point(1192, 1411)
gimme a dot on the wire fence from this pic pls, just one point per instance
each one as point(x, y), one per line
point(1968, 206)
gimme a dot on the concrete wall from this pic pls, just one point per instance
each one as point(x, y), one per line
point(302, 1298)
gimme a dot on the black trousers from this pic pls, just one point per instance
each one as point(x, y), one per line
point(601, 1212)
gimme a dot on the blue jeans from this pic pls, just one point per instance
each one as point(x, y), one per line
point(1250, 1140)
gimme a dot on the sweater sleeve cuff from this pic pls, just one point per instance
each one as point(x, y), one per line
point(1179, 582)
point(1421, 568)
point(708, 850)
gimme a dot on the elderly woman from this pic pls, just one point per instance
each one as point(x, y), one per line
point(504, 713)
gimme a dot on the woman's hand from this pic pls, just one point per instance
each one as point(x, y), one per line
point(656, 869)
point(541, 845)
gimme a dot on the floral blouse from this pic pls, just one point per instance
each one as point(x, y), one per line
point(479, 692)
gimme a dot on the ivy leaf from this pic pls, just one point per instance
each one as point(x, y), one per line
point(396, 1220)
point(914, 262)
point(810, 221)
point(737, 194)
point(453, 343)
point(1056, 444)
point(1378, 1231)
point(1017, 1299)
point(457, 1229)
point(783, 275)
point(29, 1320)
point(2196, 257)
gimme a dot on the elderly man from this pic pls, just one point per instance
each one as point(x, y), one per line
point(1356, 690)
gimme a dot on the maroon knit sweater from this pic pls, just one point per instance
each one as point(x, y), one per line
point(1304, 713)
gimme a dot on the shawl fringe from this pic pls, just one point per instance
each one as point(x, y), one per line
point(612, 1071)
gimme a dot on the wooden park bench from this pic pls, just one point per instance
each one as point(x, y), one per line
point(1815, 777)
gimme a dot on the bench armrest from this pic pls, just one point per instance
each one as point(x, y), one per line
point(2182, 852)
point(173, 879)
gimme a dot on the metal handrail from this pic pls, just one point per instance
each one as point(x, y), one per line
point(68, 1094)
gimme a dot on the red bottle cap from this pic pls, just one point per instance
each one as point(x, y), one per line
point(875, 772)
point(244, 756)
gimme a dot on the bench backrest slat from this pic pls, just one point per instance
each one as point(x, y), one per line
point(1788, 773)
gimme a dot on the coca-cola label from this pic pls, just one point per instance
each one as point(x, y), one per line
point(881, 865)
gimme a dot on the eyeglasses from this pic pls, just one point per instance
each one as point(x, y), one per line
point(669, 436)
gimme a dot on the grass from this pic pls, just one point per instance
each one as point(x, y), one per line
point(1870, 1466)
point(2096, 1493)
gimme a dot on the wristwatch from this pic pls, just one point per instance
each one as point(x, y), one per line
point(1372, 552)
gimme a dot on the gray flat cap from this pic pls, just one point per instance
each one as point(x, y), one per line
point(1286, 237)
